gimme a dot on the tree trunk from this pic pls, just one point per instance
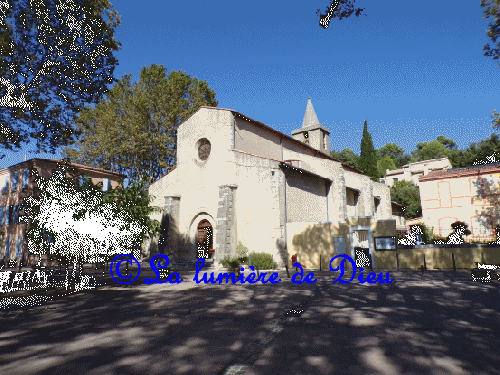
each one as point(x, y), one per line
point(67, 275)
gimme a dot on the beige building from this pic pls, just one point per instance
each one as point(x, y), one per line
point(462, 194)
point(16, 183)
point(413, 171)
point(238, 180)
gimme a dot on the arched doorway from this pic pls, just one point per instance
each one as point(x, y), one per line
point(205, 239)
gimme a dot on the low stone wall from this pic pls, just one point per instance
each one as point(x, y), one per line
point(438, 256)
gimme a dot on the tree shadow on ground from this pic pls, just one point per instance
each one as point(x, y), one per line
point(436, 323)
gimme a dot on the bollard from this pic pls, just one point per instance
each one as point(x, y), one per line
point(287, 272)
point(482, 257)
point(397, 260)
point(425, 264)
point(320, 262)
point(453, 259)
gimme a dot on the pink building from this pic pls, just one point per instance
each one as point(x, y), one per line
point(16, 183)
point(462, 194)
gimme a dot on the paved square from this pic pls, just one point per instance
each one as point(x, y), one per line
point(436, 323)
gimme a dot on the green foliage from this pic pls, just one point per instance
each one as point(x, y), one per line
point(406, 239)
point(451, 145)
point(493, 32)
point(481, 152)
point(459, 229)
point(368, 158)
point(402, 160)
point(262, 261)
point(438, 239)
point(232, 264)
point(347, 156)
point(53, 66)
point(384, 163)
point(242, 253)
point(408, 195)
point(426, 233)
point(124, 213)
point(391, 150)
point(431, 150)
point(344, 10)
point(133, 130)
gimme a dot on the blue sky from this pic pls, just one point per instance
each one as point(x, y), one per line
point(415, 70)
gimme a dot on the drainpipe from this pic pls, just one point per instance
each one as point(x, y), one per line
point(284, 193)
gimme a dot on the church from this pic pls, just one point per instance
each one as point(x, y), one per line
point(238, 180)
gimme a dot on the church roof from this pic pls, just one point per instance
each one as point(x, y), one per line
point(310, 117)
point(291, 139)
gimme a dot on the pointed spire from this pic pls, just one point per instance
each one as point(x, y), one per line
point(310, 117)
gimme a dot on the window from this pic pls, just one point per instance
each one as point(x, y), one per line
point(5, 188)
point(7, 247)
point(352, 202)
point(15, 214)
point(481, 226)
point(324, 141)
point(2, 215)
point(106, 184)
point(8, 215)
point(395, 179)
point(376, 203)
point(26, 174)
point(19, 246)
point(204, 149)
point(15, 176)
point(81, 180)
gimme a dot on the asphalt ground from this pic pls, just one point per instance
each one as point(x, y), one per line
point(433, 323)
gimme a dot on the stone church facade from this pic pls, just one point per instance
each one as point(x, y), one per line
point(238, 180)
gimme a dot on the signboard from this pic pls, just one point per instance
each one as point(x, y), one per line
point(340, 245)
point(385, 243)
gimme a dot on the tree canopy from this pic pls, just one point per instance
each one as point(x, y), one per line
point(385, 163)
point(368, 158)
point(345, 10)
point(347, 156)
point(491, 10)
point(432, 150)
point(408, 195)
point(133, 130)
point(56, 56)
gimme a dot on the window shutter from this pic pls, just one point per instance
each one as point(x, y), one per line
point(26, 174)
point(7, 247)
point(15, 214)
point(105, 184)
point(15, 176)
point(5, 189)
point(19, 246)
point(2, 215)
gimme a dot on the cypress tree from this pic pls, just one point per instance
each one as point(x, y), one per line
point(368, 158)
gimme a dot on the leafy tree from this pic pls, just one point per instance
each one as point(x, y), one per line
point(344, 10)
point(447, 142)
point(484, 151)
point(133, 130)
point(402, 160)
point(56, 56)
point(125, 217)
point(384, 163)
point(431, 150)
point(368, 158)
point(493, 32)
point(460, 229)
point(392, 150)
point(408, 195)
point(347, 156)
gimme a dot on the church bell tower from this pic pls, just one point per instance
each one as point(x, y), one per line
point(312, 132)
